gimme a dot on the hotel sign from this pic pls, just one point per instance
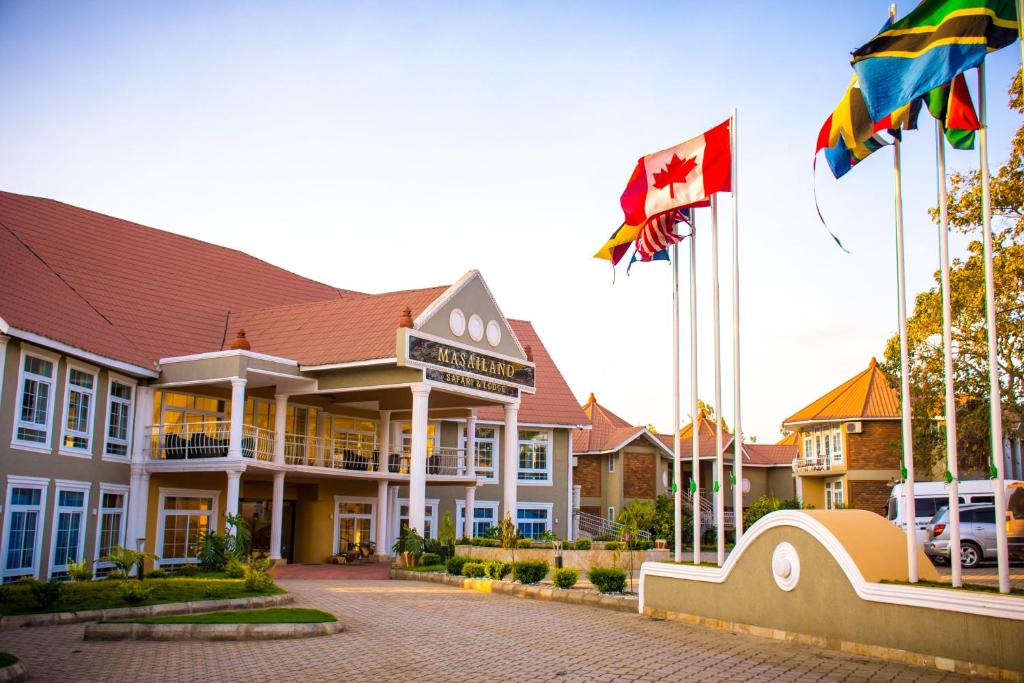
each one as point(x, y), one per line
point(481, 366)
point(455, 379)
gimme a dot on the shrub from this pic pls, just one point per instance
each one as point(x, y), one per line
point(79, 571)
point(565, 577)
point(490, 543)
point(116, 575)
point(446, 535)
point(156, 574)
point(607, 579)
point(408, 541)
point(529, 571)
point(640, 544)
point(186, 570)
point(135, 593)
point(45, 593)
point(582, 544)
point(524, 543)
point(474, 570)
point(233, 568)
point(455, 563)
point(430, 558)
point(614, 545)
point(257, 576)
point(497, 570)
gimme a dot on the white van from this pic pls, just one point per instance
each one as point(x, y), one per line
point(931, 496)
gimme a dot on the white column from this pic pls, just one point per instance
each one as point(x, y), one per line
point(576, 491)
point(510, 461)
point(418, 457)
point(138, 505)
point(276, 516)
point(389, 533)
point(237, 416)
point(383, 547)
point(470, 456)
point(385, 442)
point(569, 499)
point(280, 426)
point(234, 479)
point(140, 424)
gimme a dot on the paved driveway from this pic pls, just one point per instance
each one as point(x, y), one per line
point(413, 631)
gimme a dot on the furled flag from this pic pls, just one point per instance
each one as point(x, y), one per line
point(951, 104)
point(684, 175)
point(936, 41)
point(657, 236)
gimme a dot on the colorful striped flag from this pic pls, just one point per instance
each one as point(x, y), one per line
point(951, 104)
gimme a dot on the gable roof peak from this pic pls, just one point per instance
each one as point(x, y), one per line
point(868, 394)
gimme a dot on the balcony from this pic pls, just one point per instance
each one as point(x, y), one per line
point(812, 465)
point(209, 439)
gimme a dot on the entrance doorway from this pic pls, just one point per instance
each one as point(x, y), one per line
point(258, 513)
point(355, 525)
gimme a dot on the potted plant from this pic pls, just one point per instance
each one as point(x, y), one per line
point(408, 547)
point(660, 543)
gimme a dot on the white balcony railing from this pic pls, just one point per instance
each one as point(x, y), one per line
point(207, 439)
point(811, 464)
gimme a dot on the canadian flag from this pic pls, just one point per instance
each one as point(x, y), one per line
point(684, 175)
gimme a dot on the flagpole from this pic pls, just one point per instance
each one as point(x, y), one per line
point(994, 394)
point(695, 437)
point(719, 455)
point(947, 351)
point(737, 468)
point(905, 409)
point(677, 493)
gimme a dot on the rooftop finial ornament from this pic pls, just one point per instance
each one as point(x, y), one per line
point(240, 343)
point(529, 352)
point(406, 319)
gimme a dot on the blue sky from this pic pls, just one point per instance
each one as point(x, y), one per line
point(387, 147)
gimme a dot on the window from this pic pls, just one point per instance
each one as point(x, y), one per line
point(485, 516)
point(174, 408)
point(354, 523)
point(79, 399)
point(533, 519)
point(486, 453)
point(184, 516)
point(534, 457)
point(985, 516)
point(259, 412)
point(834, 494)
point(808, 446)
point(837, 442)
point(23, 519)
point(355, 436)
point(611, 514)
point(429, 518)
point(35, 403)
point(611, 462)
point(111, 530)
point(68, 533)
point(119, 418)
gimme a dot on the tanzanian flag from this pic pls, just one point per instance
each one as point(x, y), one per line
point(936, 41)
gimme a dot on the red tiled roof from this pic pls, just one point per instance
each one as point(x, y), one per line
point(867, 394)
point(770, 453)
point(603, 423)
point(126, 291)
point(335, 331)
point(554, 402)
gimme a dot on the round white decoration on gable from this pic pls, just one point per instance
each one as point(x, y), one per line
point(785, 566)
point(493, 333)
point(476, 327)
point(746, 485)
point(457, 322)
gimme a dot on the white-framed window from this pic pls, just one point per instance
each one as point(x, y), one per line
point(176, 408)
point(485, 516)
point(837, 442)
point(355, 522)
point(23, 526)
point(67, 544)
point(611, 463)
point(834, 498)
point(352, 436)
point(118, 431)
point(486, 452)
point(34, 416)
point(79, 410)
point(429, 517)
point(534, 457)
point(611, 514)
point(184, 515)
point(112, 524)
point(533, 519)
point(808, 446)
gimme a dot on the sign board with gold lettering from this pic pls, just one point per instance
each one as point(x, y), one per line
point(489, 369)
point(459, 380)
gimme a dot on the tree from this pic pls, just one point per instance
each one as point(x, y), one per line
point(508, 532)
point(970, 340)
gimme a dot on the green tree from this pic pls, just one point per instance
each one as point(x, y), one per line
point(970, 340)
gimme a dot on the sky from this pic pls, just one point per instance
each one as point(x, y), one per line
point(379, 147)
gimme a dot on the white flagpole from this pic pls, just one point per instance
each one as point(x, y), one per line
point(695, 437)
point(677, 469)
point(908, 434)
point(737, 468)
point(994, 394)
point(718, 497)
point(947, 349)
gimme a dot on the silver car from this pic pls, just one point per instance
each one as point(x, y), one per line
point(977, 535)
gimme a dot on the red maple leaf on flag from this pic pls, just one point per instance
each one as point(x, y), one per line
point(675, 171)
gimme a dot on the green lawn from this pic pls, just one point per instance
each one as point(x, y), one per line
point(426, 568)
point(17, 599)
point(275, 615)
point(6, 659)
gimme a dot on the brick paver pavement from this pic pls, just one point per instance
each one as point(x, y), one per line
point(415, 631)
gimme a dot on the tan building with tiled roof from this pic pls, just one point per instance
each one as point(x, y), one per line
point(151, 384)
point(849, 442)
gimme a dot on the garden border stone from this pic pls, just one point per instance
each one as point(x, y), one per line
point(209, 631)
point(575, 596)
point(165, 609)
point(14, 673)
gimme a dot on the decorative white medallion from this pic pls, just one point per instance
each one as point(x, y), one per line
point(785, 566)
point(746, 485)
point(493, 333)
point(476, 327)
point(457, 322)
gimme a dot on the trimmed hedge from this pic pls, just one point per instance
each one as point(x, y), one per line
point(607, 579)
point(565, 577)
point(614, 545)
point(427, 559)
point(484, 542)
point(455, 563)
point(474, 570)
point(497, 570)
point(582, 544)
point(529, 571)
point(524, 543)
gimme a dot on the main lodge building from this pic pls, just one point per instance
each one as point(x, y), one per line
point(151, 384)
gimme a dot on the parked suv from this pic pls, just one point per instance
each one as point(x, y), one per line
point(977, 535)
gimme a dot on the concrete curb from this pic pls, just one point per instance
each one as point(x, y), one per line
point(15, 673)
point(618, 603)
point(209, 631)
point(166, 609)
